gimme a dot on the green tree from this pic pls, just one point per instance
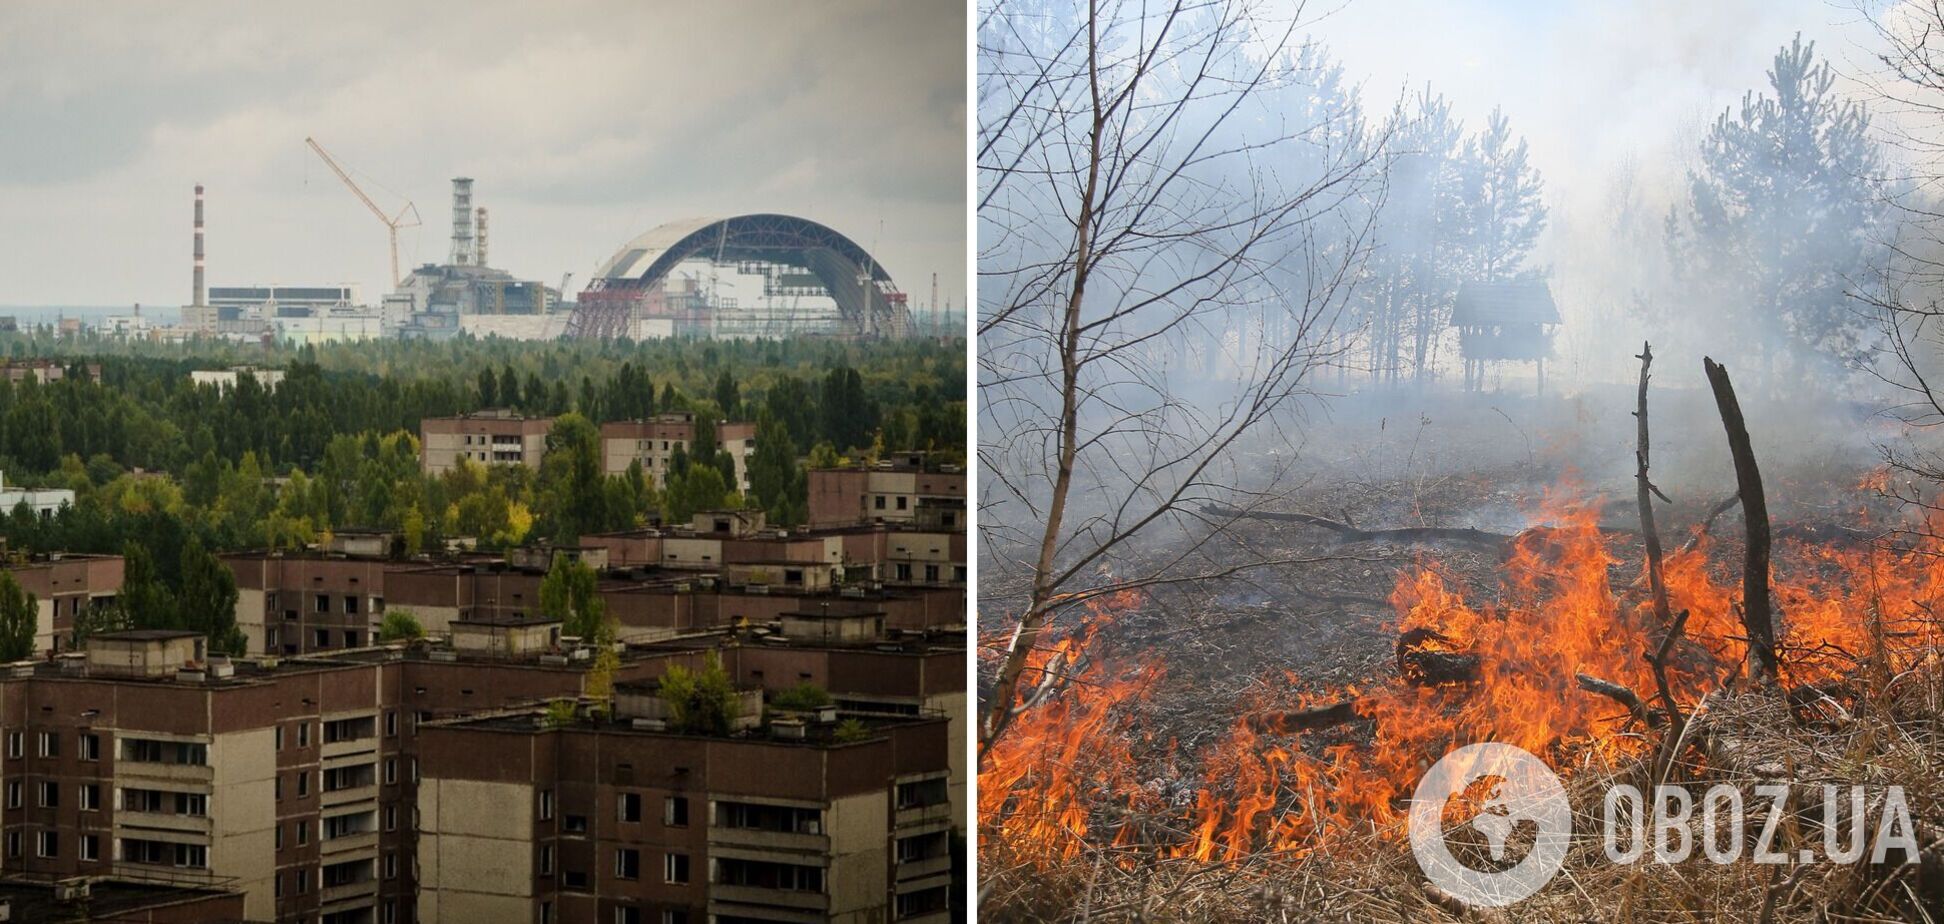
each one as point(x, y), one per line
point(488, 388)
point(773, 474)
point(728, 396)
point(570, 478)
point(208, 599)
point(571, 593)
point(699, 488)
point(19, 616)
point(400, 625)
point(700, 702)
point(144, 597)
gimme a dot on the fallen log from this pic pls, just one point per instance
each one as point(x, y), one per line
point(1422, 660)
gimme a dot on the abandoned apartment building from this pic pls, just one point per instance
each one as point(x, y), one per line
point(455, 778)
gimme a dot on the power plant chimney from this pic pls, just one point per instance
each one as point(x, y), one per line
point(462, 219)
point(197, 295)
point(481, 214)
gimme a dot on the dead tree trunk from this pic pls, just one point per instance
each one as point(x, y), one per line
point(1646, 491)
point(1757, 621)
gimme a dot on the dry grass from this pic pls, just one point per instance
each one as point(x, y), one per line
point(1892, 734)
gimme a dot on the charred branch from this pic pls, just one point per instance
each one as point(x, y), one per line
point(1299, 720)
point(1619, 693)
point(1348, 533)
point(1756, 609)
point(1646, 492)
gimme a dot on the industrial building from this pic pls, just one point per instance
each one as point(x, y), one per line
point(757, 275)
point(466, 294)
point(909, 488)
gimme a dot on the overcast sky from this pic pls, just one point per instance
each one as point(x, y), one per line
point(583, 124)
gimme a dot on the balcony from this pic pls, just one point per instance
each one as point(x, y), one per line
point(364, 889)
point(773, 898)
point(917, 869)
point(924, 814)
point(354, 747)
point(348, 843)
point(168, 773)
point(764, 839)
point(164, 821)
point(332, 798)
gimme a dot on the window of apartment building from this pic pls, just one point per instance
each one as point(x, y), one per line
point(391, 770)
point(279, 837)
point(195, 856)
point(90, 847)
point(353, 638)
point(49, 845)
point(321, 638)
point(391, 724)
point(351, 606)
point(931, 574)
point(627, 863)
point(323, 603)
point(627, 914)
point(675, 811)
point(302, 879)
point(303, 734)
point(878, 502)
point(16, 743)
point(90, 746)
point(675, 869)
point(303, 837)
point(191, 803)
point(90, 797)
point(574, 824)
point(391, 912)
point(546, 801)
point(903, 502)
point(391, 864)
point(14, 791)
point(50, 744)
point(278, 891)
point(904, 571)
point(50, 795)
point(391, 817)
point(674, 917)
point(573, 879)
point(276, 736)
point(628, 806)
point(13, 845)
point(546, 913)
point(303, 783)
point(546, 859)
point(276, 787)
point(921, 793)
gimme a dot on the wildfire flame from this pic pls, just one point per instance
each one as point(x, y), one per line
point(1072, 761)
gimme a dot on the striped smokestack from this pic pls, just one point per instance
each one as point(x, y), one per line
point(197, 296)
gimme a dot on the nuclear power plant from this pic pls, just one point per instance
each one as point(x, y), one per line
point(737, 277)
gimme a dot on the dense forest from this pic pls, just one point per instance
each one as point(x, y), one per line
point(158, 462)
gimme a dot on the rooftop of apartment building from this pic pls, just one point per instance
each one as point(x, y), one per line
point(911, 460)
point(112, 900)
point(635, 713)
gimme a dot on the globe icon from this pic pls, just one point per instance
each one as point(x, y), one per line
point(1517, 788)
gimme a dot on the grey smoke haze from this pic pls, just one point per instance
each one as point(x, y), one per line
point(583, 125)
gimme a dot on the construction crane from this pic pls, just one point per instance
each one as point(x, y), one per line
point(392, 223)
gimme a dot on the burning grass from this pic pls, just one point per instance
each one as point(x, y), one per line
point(1086, 812)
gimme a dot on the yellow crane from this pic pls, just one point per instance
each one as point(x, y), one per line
point(392, 222)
